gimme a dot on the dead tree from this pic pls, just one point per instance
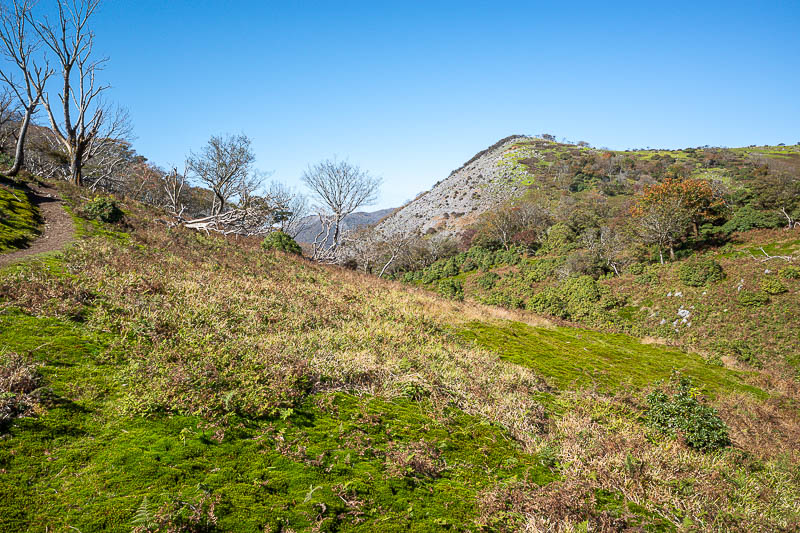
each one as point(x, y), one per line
point(87, 124)
point(174, 182)
point(222, 165)
point(19, 48)
point(341, 188)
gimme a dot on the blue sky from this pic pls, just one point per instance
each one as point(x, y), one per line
point(411, 90)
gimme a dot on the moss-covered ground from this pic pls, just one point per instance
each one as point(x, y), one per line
point(19, 219)
point(580, 358)
point(190, 383)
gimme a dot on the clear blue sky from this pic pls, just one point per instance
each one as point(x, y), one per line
point(411, 90)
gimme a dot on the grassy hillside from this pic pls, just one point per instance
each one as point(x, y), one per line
point(160, 380)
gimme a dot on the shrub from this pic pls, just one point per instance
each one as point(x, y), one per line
point(487, 281)
point(450, 288)
point(700, 273)
point(19, 386)
point(560, 239)
point(790, 272)
point(772, 285)
point(574, 298)
point(283, 242)
point(103, 209)
point(636, 268)
point(753, 299)
point(747, 218)
point(678, 411)
point(741, 350)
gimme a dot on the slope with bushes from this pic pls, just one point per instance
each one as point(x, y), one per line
point(174, 381)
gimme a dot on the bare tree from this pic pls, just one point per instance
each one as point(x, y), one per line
point(341, 187)
point(173, 183)
point(607, 244)
point(9, 114)
point(87, 129)
point(222, 164)
point(663, 224)
point(19, 49)
point(292, 205)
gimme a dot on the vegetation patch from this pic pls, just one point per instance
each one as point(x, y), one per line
point(19, 219)
point(700, 273)
point(679, 412)
point(571, 357)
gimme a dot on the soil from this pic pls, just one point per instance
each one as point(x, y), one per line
point(58, 227)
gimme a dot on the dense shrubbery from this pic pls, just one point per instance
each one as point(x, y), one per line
point(677, 411)
point(574, 298)
point(278, 240)
point(487, 281)
point(700, 273)
point(790, 272)
point(450, 288)
point(747, 218)
point(752, 298)
point(772, 285)
point(103, 209)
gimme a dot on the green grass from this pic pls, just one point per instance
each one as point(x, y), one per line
point(19, 219)
point(82, 464)
point(571, 357)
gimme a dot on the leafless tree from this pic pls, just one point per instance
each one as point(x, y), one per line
point(293, 207)
point(9, 114)
point(607, 244)
point(341, 188)
point(663, 225)
point(19, 49)
point(87, 123)
point(173, 184)
point(222, 165)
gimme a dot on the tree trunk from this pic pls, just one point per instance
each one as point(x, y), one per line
point(695, 228)
point(336, 232)
point(671, 253)
point(19, 154)
point(661, 255)
point(76, 168)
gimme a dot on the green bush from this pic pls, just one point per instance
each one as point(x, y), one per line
point(636, 268)
point(560, 239)
point(103, 209)
point(700, 273)
point(741, 350)
point(574, 298)
point(790, 272)
point(772, 285)
point(278, 240)
point(450, 288)
point(487, 281)
point(746, 218)
point(753, 299)
point(677, 410)
point(539, 269)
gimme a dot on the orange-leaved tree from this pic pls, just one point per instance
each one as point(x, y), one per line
point(665, 211)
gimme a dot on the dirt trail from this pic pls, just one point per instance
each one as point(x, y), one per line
point(58, 226)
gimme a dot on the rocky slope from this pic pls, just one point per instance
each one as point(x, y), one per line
point(455, 202)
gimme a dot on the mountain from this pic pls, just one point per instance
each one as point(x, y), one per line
point(310, 226)
point(522, 165)
point(456, 201)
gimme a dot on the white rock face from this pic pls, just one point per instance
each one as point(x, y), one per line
point(458, 200)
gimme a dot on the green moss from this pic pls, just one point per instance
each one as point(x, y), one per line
point(19, 219)
point(81, 464)
point(570, 357)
